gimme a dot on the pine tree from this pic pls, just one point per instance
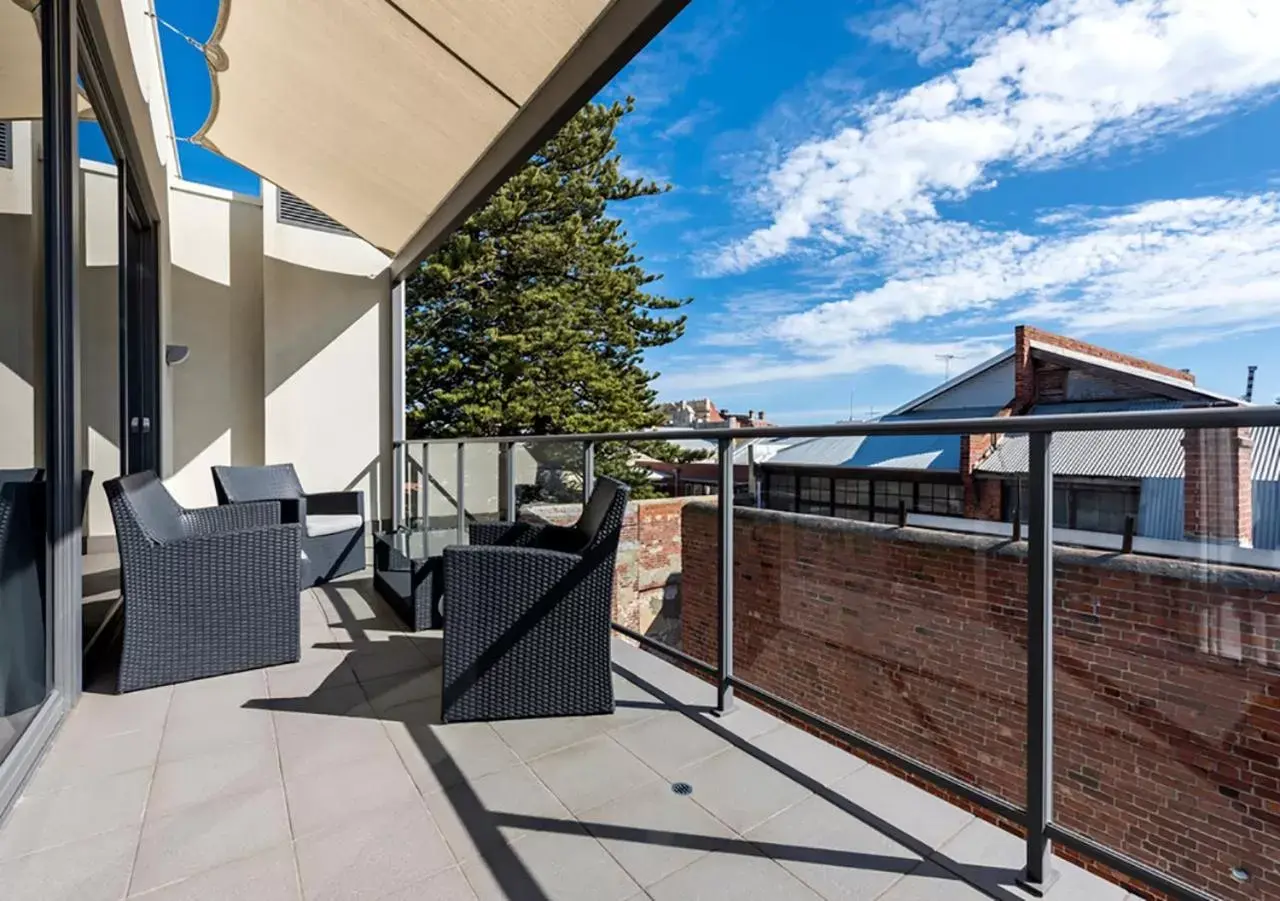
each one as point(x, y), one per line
point(534, 317)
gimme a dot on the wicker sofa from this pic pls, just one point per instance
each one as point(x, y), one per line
point(527, 623)
point(333, 522)
point(207, 591)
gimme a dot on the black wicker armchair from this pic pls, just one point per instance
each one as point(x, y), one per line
point(22, 610)
point(333, 523)
point(206, 591)
point(528, 612)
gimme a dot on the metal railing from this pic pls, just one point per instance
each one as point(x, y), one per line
point(1037, 816)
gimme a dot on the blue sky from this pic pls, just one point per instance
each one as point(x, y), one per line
point(863, 188)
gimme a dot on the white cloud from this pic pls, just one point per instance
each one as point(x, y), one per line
point(1209, 262)
point(1076, 76)
point(710, 373)
point(934, 29)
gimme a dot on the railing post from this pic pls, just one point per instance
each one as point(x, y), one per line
point(724, 580)
point(425, 518)
point(459, 493)
point(399, 457)
point(1038, 874)
point(507, 462)
point(588, 469)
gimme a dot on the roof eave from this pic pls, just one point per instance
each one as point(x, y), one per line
point(614, 38)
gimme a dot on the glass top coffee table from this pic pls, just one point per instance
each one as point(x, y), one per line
point(407, 574)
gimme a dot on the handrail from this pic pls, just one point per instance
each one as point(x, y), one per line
point(1194, 418)
point(1036, 816)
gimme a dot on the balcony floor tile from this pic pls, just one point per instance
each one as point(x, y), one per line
point(334, 778)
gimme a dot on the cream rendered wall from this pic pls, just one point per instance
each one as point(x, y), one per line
point(99, 337)
point(215, 277)
point(19, 323)
point(326, 303)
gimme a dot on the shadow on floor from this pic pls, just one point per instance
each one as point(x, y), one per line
point(484, 825)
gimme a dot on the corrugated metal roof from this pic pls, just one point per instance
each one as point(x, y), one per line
point(919, 453)
point(939, 453)
point(1266, 515)
point(1120, 454)
point(1266, 454)
point(1161, 509)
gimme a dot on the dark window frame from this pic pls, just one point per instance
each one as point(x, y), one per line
point(783, 491)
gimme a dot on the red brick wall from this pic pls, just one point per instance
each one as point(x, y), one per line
point(1218, 484)
point(1168, 674)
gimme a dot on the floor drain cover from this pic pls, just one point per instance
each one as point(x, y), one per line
point(682, 788)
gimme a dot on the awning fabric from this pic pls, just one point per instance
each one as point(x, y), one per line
point(376, 110)
point(20, 92)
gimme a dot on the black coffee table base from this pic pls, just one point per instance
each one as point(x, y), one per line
point(411, 587)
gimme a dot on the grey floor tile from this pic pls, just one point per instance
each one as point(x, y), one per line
point(318, 743)
point(387, 692)
point(648, 670)
point(447, 885)
point(931, 882)
point(535, 737)
point(653, 832)
point(632, 703)
point(297, 680)
point(373, 855)
point(745, 721)
point(740, 790)
point(271, 876)
point(743, 877)
point(924, 817)
point(78, 762)
point(321, 799)
point(670, 741)
point(439, 757)
point(386, 660)
point(831, 851)
point(203, 836)
point(237, 770)
point(232, 690)
point(499, 807)
point(817, 759)
point(192, 730)
point(591, 772)
point(93, 869)
point(77, 812)
point(556, 866)
point(98, 716)
point(991, 858)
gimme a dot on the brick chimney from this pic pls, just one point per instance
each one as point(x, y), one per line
point(1218, 485)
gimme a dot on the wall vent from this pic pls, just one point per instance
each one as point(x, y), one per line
point(293, 210)
point(6, 145)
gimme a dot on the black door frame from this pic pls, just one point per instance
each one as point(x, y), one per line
point(139, 331)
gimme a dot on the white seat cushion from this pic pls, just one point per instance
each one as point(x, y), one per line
point(330, 523)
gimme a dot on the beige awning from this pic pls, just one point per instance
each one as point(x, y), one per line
point(20, 91)
point(396, 117)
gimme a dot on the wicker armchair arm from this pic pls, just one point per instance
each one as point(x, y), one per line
point(231, 518)
point(335, 503)
point(529, 535)
point(499, 582)
point(241, 566)
point(515, 534)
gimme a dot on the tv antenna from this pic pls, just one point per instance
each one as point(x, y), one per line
point(946, 365)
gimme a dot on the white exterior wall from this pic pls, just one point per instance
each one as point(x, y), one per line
point(20, 351)
point(289, 350)
point(326, 344)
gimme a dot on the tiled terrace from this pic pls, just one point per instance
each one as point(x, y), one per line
point(332, 779)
